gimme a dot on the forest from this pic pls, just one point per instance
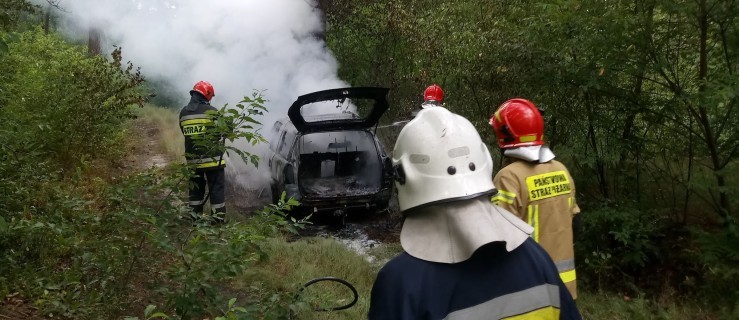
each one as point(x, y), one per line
point(640, 100)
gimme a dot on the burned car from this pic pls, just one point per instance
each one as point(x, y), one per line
point(326, 153)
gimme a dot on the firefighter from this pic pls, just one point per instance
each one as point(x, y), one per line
point(433, 96)
point(205, 153)
point(534, 186)
point(464, 258)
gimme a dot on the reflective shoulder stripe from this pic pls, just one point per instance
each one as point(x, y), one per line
point(568, 276)
point(195, 121)
point(517, 304)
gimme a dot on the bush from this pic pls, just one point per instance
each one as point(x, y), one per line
point(718, 255)
point(64, 102)
point(616, 244)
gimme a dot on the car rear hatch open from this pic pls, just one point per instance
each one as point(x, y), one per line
point(339, 109)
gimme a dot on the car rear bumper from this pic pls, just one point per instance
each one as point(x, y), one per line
point(319, 205)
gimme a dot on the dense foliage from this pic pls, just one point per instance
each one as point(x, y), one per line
point(639, 96)
point(640, 100)
point(82, 239)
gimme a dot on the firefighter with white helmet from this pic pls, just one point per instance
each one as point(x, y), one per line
point(206, 157)
point(534, 186)
point(464, 257)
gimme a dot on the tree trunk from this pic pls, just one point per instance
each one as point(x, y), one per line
point(47, 21)
point(93, 41)
point(702, 114)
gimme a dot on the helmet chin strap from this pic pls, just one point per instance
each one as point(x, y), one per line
point(541, 154)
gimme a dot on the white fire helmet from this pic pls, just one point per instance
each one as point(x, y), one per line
point(438, 157)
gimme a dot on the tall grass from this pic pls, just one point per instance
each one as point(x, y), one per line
point(166, 121)
point(291, 264)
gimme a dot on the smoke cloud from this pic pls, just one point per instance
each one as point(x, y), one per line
point(238, 46)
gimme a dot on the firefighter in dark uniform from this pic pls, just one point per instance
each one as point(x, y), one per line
point(464, 258)
point(205, 153)
point(534, 186)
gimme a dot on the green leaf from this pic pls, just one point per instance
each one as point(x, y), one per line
point(3, 46)
point(149, 309)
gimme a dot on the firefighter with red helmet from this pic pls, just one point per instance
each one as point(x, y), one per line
point(204, 152)
point(534, 186)
point(433, 96)
point(464, 258)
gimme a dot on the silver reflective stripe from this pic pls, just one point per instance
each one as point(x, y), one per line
point(218, 205)
point(195, 116)
point(564, 265)
point(203, 160)
point(196, 203)
point(546, 295)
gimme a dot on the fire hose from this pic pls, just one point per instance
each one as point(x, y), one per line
point(316, 280)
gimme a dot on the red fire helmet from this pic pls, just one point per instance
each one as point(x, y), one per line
point(205, 88)
point(518, 123)
point(433, 93)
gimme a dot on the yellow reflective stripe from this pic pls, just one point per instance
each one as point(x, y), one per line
point(210, 164)
point(533, 220)
point(545, 313)
point(536, 222)
point(528, 138)
point(504, 196)
point(496, 199)
point(568, 276)
point(195, 121)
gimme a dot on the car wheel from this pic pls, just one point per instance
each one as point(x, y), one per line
point(275, 194)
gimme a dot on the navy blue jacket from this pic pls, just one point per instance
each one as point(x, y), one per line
point(492, 284)
point(195, 120)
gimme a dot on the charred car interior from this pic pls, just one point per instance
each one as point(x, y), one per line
point(326, 154)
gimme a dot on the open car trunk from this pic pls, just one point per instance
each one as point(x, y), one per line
point(338, 164)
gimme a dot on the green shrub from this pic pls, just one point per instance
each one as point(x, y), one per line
point(68, 104)
point(718, 254)
point(616, 245)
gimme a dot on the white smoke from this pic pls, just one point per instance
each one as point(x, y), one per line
point(237, 45)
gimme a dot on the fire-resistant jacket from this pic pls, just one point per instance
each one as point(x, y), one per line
point(194, 121)
point(492, 284)
point(543, 195)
